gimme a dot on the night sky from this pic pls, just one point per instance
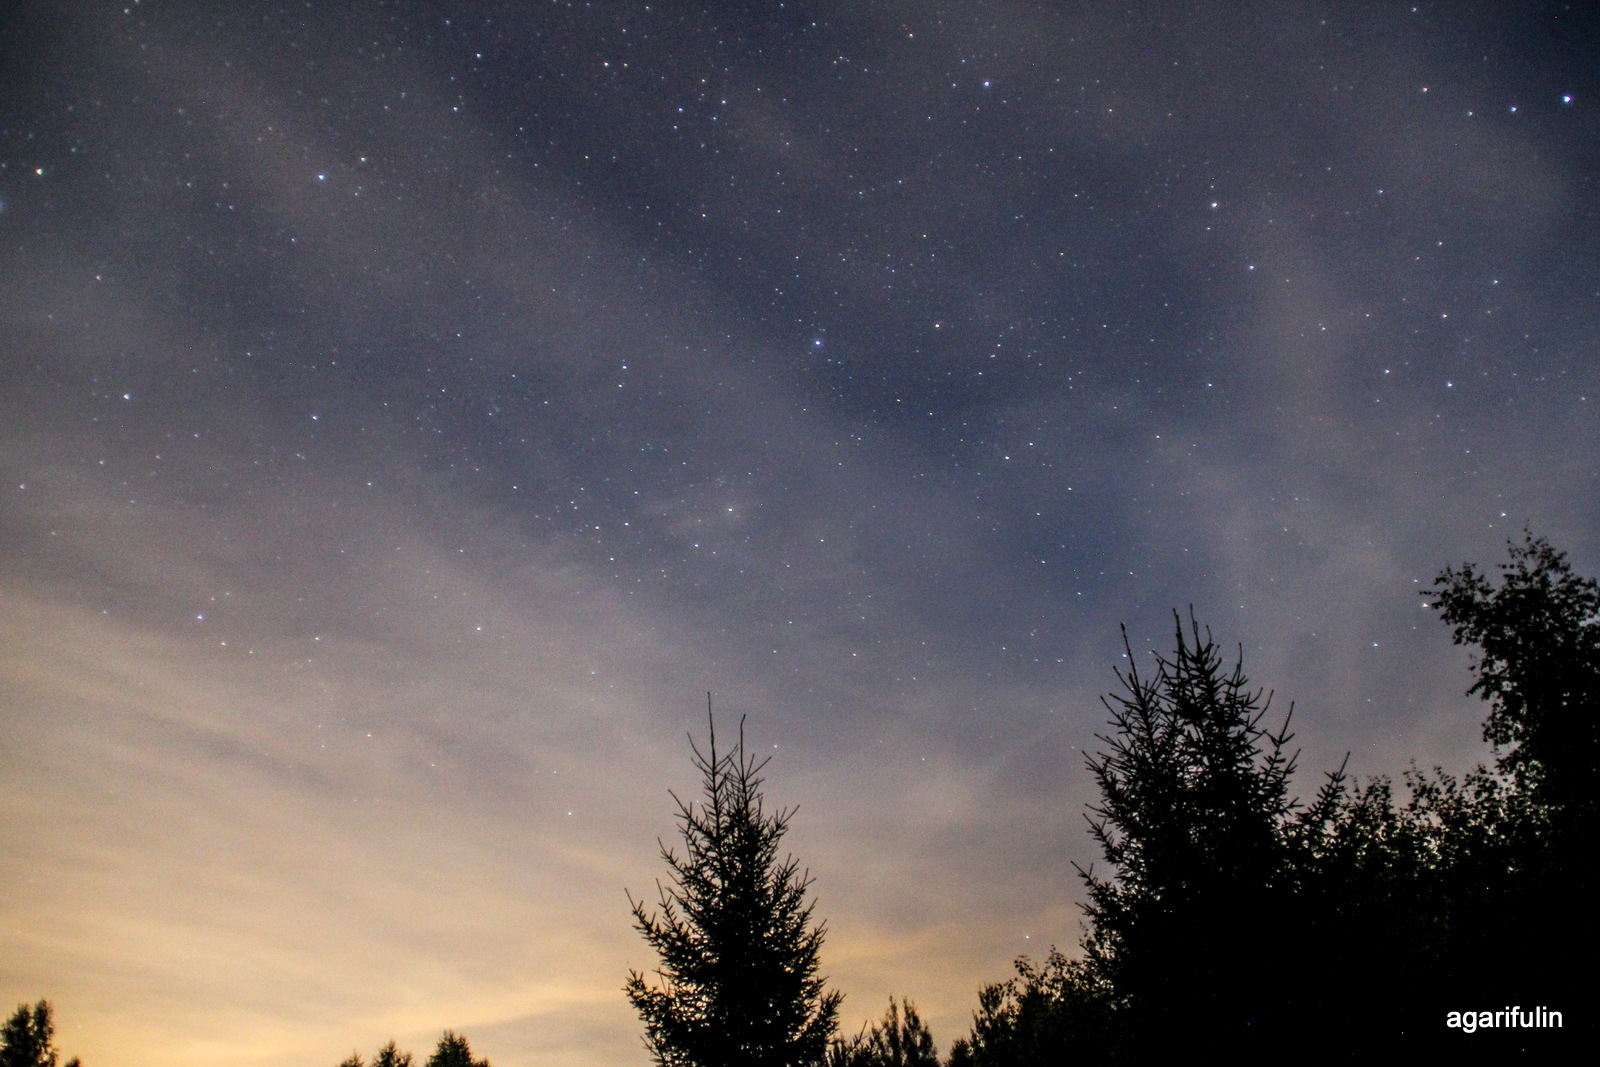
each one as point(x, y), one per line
point(409, 411)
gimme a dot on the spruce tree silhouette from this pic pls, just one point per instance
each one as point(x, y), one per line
point(387, 1056)
point(737, 946)
point(1205, 842)
point(453, 1051)
point(390, 1056)
point(1194, 798)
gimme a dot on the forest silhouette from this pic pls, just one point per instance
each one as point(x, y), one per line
point(1229, 921)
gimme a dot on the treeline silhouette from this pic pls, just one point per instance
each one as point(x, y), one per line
point(1232, 921)
point(452, 1051)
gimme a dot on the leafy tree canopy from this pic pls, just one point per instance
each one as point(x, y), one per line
point(1538, 639)
point(28, 1038)
point(899, 1040)
point(1063, 1012)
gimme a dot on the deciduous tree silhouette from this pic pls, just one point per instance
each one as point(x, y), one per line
point(28, 1038)
point(737, 946)
point(1538, 637)
point(899, 1040)
point(1522, 888)
point(1063, 1012)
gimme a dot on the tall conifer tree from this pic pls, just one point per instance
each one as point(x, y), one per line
point(737, 945)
